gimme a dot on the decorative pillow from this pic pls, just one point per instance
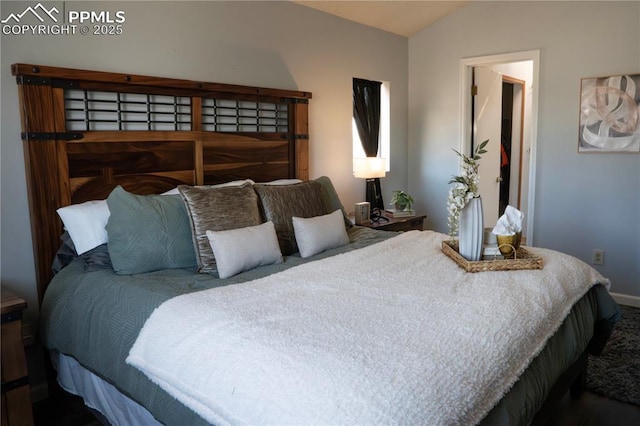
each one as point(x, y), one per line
point(217, 209)
point(280, 203)
point(317, 234)
point(331, 200)
point(148, 233)
point(241, 249)
point(85, 224)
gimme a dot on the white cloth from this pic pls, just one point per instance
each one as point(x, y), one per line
point(394, 333)
point(510, 222)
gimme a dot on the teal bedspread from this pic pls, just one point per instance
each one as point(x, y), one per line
point(96, 316)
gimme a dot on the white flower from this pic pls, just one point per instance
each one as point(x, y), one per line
point(465, 187)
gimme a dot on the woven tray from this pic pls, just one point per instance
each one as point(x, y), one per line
point(524, 260)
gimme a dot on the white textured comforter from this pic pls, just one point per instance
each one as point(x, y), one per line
point(395, 333)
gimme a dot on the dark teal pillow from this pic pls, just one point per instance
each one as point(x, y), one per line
point(331, 200)
point(148, 233)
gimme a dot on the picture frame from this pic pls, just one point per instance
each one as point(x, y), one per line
point(609, 114)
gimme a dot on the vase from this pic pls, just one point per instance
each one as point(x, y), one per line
point(471, 230)
point(509, 244)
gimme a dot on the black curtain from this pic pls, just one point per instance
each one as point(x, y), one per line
point(366, 112)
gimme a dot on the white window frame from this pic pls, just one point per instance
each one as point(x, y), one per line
point(384, 145)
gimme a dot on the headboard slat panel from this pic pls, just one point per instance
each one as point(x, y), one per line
point(123, 157)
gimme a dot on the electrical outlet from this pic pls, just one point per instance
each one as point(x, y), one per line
point(598, 257)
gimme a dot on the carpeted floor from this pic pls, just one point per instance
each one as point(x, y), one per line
point(616, 372)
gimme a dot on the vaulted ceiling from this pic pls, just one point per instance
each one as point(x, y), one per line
point(403, 18)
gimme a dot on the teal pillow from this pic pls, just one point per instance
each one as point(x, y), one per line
point(148, 233)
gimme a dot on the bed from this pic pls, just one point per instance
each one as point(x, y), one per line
point(193, 318)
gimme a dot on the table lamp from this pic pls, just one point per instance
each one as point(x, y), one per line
point(371, 169)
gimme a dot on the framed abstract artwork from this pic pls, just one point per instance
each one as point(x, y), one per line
point(610, 114)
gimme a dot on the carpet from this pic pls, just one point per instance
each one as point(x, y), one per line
point(616, 372)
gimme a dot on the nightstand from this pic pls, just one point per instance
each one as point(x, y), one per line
point(399, 223)
point(16, 395)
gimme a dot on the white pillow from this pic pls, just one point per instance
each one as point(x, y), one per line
point(175, 191)
point(241, 249)
point(86, 223)
point(283, 182)
point(232, 183)
point(320, 233)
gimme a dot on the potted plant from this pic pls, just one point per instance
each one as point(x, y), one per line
point(401, 200)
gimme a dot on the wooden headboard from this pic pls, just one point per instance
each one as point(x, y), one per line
point(85, 132)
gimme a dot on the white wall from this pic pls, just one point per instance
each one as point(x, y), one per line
point(269, 44)
point(583, 201)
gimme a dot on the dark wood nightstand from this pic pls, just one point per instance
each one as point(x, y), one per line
point(399, 223)
point(16, 395)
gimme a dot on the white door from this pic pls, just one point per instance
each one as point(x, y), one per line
point(487, 118)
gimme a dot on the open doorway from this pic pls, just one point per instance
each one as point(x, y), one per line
point(509, 179)
point(511, 143)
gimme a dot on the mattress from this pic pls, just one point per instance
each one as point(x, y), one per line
point(99, 310)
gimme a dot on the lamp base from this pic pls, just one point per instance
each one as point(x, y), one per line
point(374, 194)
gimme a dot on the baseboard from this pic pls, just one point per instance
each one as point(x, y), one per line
point(624, 299)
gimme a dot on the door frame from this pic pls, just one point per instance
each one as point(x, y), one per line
point(466, 67)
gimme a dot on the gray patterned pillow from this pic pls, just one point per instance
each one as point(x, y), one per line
point(280, 203)
point(217, 209)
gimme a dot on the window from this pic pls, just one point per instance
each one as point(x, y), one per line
point(384, 147)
